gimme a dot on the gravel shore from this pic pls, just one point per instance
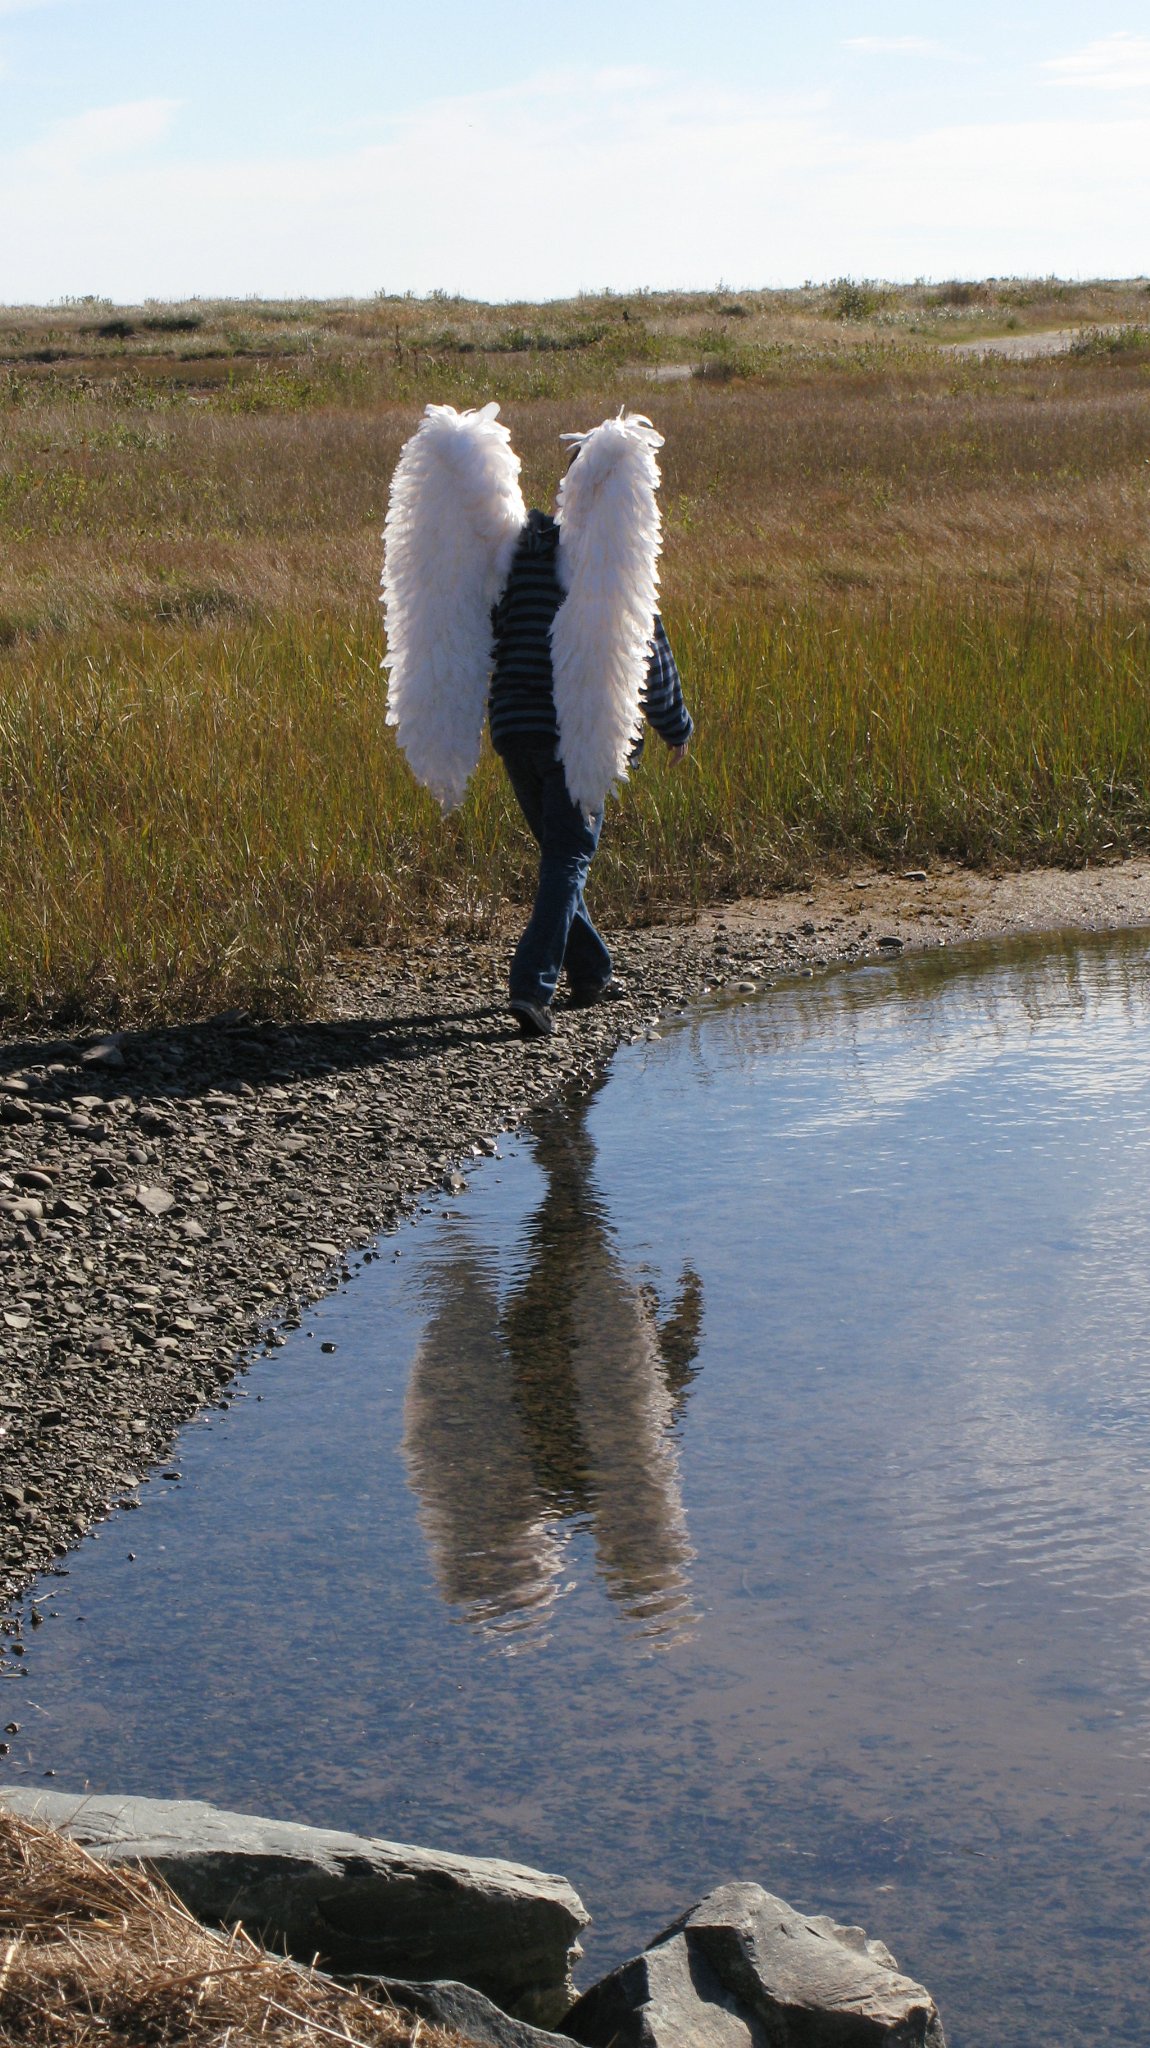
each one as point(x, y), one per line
point(170, 1201)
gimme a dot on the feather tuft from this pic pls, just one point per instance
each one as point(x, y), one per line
point(454, 514)
point(609, 542)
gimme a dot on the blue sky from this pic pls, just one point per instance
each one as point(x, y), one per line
point(535, 150)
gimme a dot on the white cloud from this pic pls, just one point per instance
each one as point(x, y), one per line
point(100, 133)
point(1117, 63)
point(631, 78)
point(554, 183)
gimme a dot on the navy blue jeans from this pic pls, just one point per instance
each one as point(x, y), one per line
point(559, 932)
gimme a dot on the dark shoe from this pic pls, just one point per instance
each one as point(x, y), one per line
point(610, 991)
point(533, 1019)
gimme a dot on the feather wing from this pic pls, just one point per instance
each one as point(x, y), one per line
point(609, 543)
point(453, 517)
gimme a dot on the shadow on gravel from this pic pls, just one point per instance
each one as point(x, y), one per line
point(235, 1048)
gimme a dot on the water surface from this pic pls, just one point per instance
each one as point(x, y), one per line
point(748, 1477)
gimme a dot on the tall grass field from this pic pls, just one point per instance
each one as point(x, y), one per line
point(907, 584)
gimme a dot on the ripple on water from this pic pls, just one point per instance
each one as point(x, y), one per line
point(750, 1477)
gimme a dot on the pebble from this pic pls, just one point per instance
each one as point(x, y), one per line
point(107, 1054)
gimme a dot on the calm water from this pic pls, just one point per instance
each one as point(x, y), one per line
point(748, 1477)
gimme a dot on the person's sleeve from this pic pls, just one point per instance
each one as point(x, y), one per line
point(663, 702)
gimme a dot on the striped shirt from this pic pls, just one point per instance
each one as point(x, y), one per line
point(522, 701)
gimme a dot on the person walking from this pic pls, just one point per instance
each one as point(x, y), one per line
point(525, 734)
point(549, 628)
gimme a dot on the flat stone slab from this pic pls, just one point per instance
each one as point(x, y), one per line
point(364, 1907)
point(743, 1969)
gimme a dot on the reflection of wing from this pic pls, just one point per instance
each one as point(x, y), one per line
point(679, 1341)
point(481, 1509)
point(453, 517)
point(601, 636)
point(625, 1414)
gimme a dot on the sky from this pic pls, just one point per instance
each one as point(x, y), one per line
point(536, 148)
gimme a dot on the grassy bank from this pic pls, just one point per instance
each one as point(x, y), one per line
point(908, 592)
point(200, 820)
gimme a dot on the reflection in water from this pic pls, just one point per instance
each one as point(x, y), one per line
point(917, 1471)
point(555, 1404)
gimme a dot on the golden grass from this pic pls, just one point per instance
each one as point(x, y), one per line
point(908, 591)
point(95, 1955)
point(967, 476)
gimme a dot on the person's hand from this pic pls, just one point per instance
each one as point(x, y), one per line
point(679, 753)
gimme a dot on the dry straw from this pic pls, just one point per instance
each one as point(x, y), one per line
point(91, 1954)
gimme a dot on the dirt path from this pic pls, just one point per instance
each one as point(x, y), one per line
point(171, 1201)
point(1051, 341)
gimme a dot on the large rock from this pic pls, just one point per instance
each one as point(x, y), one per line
point(462, 2011)
point(743, 1970)
point(363, 1907)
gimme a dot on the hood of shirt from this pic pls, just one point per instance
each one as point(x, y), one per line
point(540, 536)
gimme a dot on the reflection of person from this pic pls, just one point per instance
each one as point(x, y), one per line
point(562, 1403)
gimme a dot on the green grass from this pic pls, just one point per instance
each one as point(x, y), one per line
point(200, 822)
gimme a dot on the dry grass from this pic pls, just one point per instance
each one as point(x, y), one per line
point(908, 591)
point(119, 506)
point(93, 1955)
point(306, 351)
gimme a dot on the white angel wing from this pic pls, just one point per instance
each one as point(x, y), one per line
point(609, 538)
point(453, 517)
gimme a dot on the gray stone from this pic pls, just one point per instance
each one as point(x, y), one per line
point(365, 1907)
point(461, 2009)
point(107, 1054)
point(743, 1969)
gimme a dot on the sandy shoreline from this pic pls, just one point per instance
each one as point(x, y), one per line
point(171, 1203)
